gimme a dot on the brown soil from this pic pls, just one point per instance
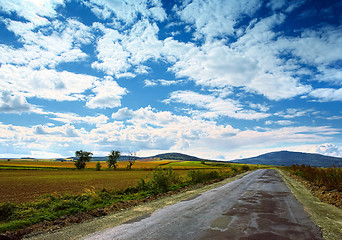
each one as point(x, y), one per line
point(62, 222)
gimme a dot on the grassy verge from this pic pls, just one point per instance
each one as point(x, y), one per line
point(326, 216)
point(56, 207)
point(325, 183)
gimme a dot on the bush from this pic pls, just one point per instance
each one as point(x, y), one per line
point(245, 168)
point(7, 209)
point(98, 166)
point(196, 176)
point(162, 179)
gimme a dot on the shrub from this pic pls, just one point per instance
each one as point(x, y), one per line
point(196, 176)
point(162, 179)
point(245, 168)
point(7, 209)
point(98, 166)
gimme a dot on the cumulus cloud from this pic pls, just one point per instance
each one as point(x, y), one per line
point(216, 18)
point(46, 46)
point(34, 11)
point(327, 94)
point(127, 11)
point(13, 104)
point(108, 94)
point(45, 84)
point(215, 106)
point(328, 149)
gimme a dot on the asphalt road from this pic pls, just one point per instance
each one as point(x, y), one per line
point(257, 206)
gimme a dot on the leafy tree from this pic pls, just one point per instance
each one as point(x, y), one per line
point(113, 159)
point(131, 160)
point(202, 161)
point(98, 166)
point(82, 158)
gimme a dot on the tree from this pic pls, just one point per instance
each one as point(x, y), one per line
point(82, 158)
point(113, 159)
point(131, 160)
point(98, 166)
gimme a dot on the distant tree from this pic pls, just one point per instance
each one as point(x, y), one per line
point(82, 158)
point(113, 159)
point(202, 161)
point(98, 166)
point(131, 160)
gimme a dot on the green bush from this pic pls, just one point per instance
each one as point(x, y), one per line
point(162, 180)
point(245, 168)
point(197, 176)
point(7, 209)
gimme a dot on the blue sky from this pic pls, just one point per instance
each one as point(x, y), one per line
point(215, 79)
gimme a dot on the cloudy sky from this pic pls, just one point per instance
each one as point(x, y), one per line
point(216, 79)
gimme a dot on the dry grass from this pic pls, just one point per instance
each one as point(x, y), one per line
point(57, 164)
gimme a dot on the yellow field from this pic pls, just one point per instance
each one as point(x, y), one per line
point(57, 164)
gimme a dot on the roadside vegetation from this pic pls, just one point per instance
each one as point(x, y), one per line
point(60, 207)
point(325, 183)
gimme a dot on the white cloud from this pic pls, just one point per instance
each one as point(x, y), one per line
point(33, 10)
point(13, 104)
point(216, 18)
point(108, 94)
point(215, 106)
point(327, 94)
point(74, 118)
point(279, 122)
point(46, 46)
point(293, 112)
point(328, 149)
point(161, 82)
point(127, 10)
point(45, 84)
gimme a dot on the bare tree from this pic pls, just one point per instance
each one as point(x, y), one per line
point(131, 160)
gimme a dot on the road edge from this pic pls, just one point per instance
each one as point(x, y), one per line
point(78, 231)
point(326, 216)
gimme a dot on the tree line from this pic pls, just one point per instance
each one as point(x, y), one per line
point(82, 157)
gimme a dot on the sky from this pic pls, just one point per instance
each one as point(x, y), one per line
point(218, 79)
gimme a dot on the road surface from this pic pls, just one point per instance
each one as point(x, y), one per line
point(257, 206)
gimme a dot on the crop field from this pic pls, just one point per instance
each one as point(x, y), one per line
point(65, 164)
point(26, 180)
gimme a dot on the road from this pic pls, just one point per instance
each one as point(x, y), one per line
point(257, 206)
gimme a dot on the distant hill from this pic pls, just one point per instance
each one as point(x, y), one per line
point(176, 156)
point(286, 158)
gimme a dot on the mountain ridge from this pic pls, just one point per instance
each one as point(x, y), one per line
point(288, 158)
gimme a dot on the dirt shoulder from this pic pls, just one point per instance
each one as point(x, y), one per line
point(326, 216)
point(78, 231)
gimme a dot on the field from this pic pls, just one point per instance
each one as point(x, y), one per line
point(25, 180)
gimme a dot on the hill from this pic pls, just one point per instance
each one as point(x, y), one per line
point(287, 158)
point(176, 156)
